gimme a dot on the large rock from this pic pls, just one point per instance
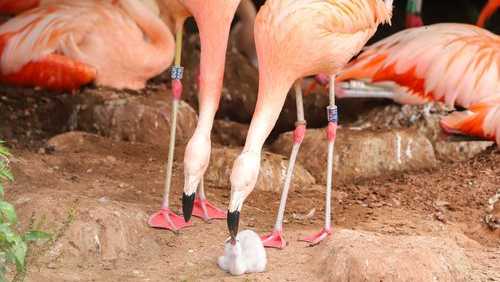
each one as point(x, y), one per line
point(425, 119)
point(135, 118)
point(271, 176)
point(229, 133)
point(85, 229)
point(363, 256)
point(361, 154)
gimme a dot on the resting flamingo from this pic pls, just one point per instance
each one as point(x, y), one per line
point(457, 64)
point(295, 39)
point(64, 45)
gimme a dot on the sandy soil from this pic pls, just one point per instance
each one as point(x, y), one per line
point(91, 181)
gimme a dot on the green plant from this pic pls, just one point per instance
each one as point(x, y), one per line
point(13, 246)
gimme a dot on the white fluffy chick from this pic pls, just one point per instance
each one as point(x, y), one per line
point(246, 254)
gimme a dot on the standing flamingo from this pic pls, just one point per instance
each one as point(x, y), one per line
point(487, 12)
point(65, 45)
point(457, 64)
point(214, 21)
point(295, 39)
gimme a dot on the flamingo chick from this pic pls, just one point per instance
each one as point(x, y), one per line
point(457, 64)
point(295, 39)
point(65, 45)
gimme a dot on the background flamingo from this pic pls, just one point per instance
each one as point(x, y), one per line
point(295, 39)
point(488, 11)
point(454, 63)
point(65, 45)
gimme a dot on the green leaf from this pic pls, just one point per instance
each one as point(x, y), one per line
point(8, 234)
point(19, 250)
point(8, 212)
point(34, 235)
point(1, 191)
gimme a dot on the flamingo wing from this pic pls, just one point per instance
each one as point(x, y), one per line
point(454, 63)
point(32, 47)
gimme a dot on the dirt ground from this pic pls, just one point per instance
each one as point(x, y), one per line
point(95, 194)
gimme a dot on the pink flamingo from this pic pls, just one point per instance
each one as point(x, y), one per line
point(214, 21)
point(457, 64)
point(65, 45)
point(487, 12)
point(295, 39)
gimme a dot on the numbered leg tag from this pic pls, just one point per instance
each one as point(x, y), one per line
point(332, 114)
point(176, 73)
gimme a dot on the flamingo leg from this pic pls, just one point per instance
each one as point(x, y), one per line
point(331, 133)
point(204, 209)
point(166, 218)
point(275, 239)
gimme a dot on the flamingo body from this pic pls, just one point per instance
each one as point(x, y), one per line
point(69, 43)
point(295, 39)
point(457, 64)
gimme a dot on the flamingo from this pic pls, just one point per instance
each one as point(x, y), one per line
point(64, 45)
point(487, 12)
point(458, 64)
point(214, 21)
point(295, 39)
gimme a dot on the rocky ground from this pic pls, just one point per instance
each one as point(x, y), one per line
point(409, 204)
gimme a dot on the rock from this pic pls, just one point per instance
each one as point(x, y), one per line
point(364, 256)
point(86, 230)
point(425, 119)
point(459, 151)
point(122, 116)
point(361, 154)
point(229, 133)
point(271, 176)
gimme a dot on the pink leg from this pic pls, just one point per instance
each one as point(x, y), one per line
point(331, 134)
point(165, 218)
point(275, 239)
point(204, 209)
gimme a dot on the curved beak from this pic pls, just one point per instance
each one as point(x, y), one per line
point(233, 213)
point(187, 206)
point(233, 221)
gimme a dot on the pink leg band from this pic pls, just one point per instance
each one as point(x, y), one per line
point(177, 89)
point(299, 133)
point(331, 131)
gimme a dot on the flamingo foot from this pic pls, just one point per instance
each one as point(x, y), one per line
point(274, 240)
point(167, 219)
point(207, 211)
point(318, 237)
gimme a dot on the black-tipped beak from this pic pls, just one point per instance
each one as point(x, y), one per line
point(233, 221)
point(187, 206)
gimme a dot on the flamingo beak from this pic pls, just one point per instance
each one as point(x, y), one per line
point(187, 206)
point(233, 214)
point(233, 222)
